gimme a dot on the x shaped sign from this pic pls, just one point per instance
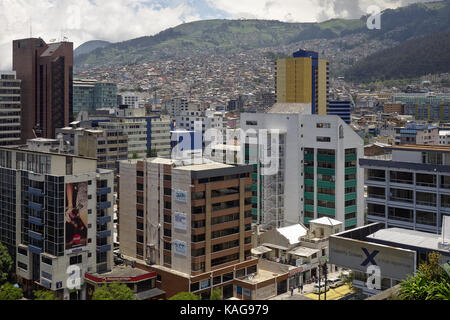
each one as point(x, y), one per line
point(370, 257)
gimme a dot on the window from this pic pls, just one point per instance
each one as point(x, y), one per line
point(22, 251)
point(22, 266)
point(76, 260)
point(252, 123)
point(323, 139)
point(323, 126)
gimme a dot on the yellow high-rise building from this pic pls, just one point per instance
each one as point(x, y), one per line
point(303, 79)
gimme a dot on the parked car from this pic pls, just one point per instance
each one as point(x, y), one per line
point(335, 282)
point(320, 287)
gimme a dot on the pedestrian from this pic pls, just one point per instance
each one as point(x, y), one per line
point(301, 287)
point(292, 291)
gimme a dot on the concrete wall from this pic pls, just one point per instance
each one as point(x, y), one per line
point(127, 208)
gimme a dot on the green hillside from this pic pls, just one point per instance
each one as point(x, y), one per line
point(410, 59)
point(226, 36)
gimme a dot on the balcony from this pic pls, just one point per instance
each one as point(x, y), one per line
point(35, 192)
point(35, 235)
point(104, 248)
point(326, 197)
point(351, 209)
point(326, 184)
point(104, 234)
point(327, 211)
point(103, 191)
point(350, 170)
point(35, 206)
point(34, 249)
point(350, 222)
point(35, 221)
point(104, 220)
point(350, 184)
point(326, 171)
point(104, 205)
point(350, 196)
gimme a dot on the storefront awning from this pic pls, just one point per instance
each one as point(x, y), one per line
point(145, 295)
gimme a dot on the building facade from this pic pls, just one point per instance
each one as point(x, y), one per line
point(57, 210)
point(411, 189)
point(318, 174)
point(187, 222)
point(10, 109)
point(89, 95)
point(46, 71)
point(343, 109)
point(303, 79)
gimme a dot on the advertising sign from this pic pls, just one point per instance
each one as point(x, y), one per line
point(395, 263)
point(181, 196)
point(76, 217)
point(180, 221)
point(180, 248)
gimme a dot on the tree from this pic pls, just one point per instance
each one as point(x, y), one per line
point(430, 282)
point(185, 296)
point(5, 264)
point(10, 292)
point(135, 156)
point(216, 294)
point(113, 291)
point(44, 295)
point(152, 153)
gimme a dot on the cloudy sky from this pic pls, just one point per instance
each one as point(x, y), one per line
point(118, 20)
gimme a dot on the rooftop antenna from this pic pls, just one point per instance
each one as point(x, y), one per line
point(31, 28)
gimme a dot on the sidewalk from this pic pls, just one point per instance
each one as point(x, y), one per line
point(307, 290)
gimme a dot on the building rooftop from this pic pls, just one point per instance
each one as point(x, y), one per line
point(411, 238)
point(293, 233)
point(422, 147)
point(326, 221)
point(290, 108)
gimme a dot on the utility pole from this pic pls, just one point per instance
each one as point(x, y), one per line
point(325, 271)
point(320, 289)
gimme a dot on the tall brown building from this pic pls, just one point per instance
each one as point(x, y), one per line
point(46, 71)
point(191, 224)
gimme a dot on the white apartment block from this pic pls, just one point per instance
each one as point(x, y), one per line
point(318, 171)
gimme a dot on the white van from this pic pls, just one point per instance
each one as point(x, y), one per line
point(335, 282)
point(320, 288)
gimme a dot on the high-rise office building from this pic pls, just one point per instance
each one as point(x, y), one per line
point(188, 223)
point(9, 109)
point(89, 95)
point(343, 109)
point(303, 79)
point(318, 174)
point(56, 213)
point(46, 71)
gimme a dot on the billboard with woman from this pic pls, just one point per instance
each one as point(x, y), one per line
point(76, 215)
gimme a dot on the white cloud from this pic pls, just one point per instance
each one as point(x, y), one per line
point(84, 20)
point(303, 10)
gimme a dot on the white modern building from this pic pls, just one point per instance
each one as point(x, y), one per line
point(318, 172)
